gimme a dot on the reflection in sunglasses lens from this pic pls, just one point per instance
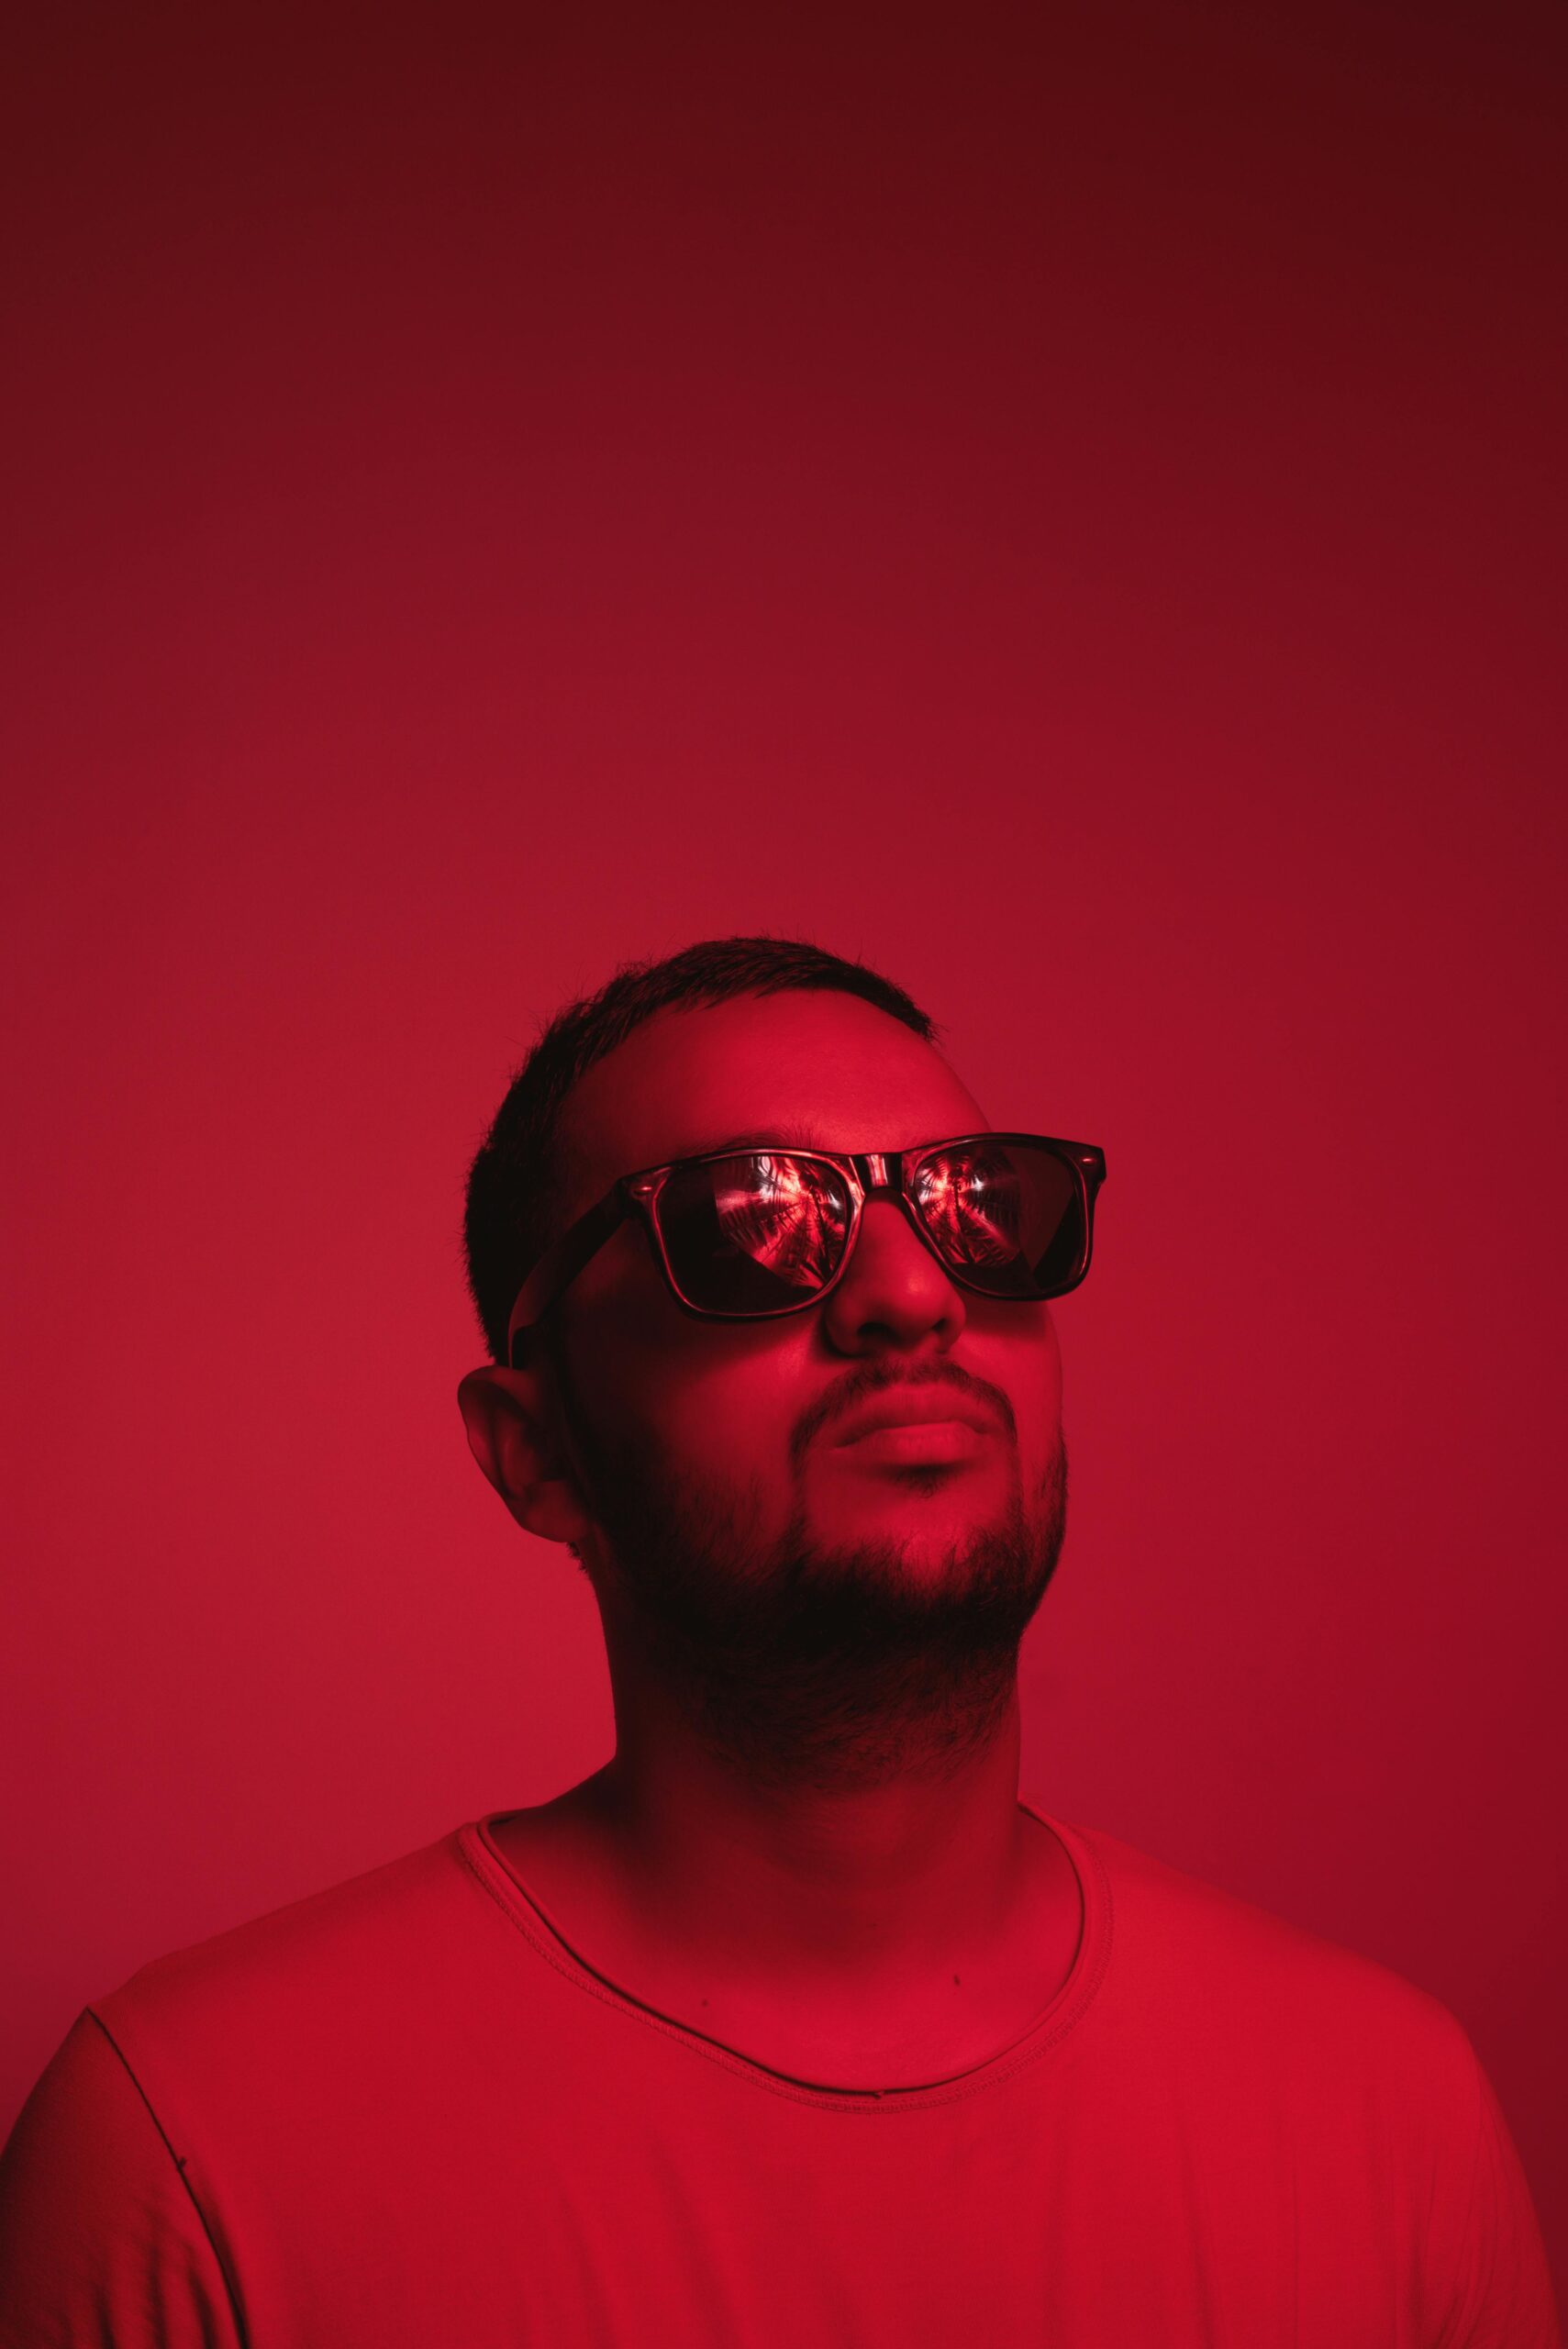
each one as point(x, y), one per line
point(971, 1202)
point(755, 1232)
point(789, 1217)
point(1006, 1214)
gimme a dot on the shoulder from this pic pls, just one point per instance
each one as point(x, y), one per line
point(238, 2046)
point(1200, 1964)
point(1272, 2036)
point(340, 1967)
point(100, 2237)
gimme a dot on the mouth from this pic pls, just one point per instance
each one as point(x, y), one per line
point(912, 1443)
point(910, 1409)
point(914, 1427)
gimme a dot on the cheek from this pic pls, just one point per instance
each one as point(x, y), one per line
point(709, 1401)
point(1043, 1381)
point(1033, 1381)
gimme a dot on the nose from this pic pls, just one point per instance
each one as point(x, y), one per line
point(895, 1291)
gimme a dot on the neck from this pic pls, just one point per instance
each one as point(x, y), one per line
point(864, 1852)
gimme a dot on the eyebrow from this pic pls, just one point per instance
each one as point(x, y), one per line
point(785, 1135)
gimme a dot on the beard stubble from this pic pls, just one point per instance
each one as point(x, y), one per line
point(808, 1665)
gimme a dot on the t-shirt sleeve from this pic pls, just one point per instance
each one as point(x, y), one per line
point(101, 2244)
point(1503, 2297)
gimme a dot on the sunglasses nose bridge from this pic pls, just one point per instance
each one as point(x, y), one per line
point(881, 1175)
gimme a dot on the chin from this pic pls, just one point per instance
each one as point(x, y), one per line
point(928, 1521)
point(974, 1488)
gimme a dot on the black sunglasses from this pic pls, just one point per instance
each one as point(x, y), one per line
point(740, 1235)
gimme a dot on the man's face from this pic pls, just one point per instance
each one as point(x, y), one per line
point(711, 1454)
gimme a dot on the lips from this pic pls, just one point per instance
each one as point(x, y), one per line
point(915, 1407)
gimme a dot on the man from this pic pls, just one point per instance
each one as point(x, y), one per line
point(792, 2024)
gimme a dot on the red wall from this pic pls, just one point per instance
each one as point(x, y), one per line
point(1063, 508)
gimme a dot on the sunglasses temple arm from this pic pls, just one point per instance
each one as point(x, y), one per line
point(561, 1263)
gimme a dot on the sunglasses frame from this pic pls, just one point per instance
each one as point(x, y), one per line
point(867, 1173)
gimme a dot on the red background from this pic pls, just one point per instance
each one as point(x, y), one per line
point(1059, 502)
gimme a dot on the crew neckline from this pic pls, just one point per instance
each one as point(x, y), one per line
point(483, 1855)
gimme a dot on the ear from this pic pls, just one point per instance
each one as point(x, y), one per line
point(510, 1435)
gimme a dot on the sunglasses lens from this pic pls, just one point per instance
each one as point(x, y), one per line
point(1008, 1216)
point(755, 1232)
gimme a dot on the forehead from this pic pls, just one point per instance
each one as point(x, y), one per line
point(807, 1066)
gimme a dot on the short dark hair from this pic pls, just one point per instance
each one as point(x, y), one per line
point(514, 1182)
